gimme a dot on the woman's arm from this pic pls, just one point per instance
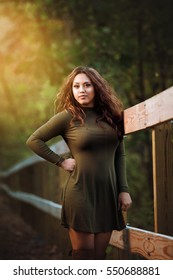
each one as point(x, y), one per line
point(124, 199)
point(120, 168)
point(57, 125)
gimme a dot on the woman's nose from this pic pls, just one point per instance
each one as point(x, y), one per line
point(82, 89)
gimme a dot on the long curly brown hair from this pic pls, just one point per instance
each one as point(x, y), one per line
point(107, 105)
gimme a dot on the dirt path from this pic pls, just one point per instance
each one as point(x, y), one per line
point(18, 241)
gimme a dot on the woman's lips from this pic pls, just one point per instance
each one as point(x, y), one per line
point(82, 96)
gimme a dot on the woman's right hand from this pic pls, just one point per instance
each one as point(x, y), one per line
point(68, 164)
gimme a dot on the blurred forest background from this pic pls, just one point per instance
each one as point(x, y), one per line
point(130, 42)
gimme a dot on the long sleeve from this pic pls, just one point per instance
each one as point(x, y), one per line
point(57, 125)
point(120, 168)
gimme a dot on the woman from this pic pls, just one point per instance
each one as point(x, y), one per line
point(89, 119)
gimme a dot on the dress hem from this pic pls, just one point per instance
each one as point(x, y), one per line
point(92, 231)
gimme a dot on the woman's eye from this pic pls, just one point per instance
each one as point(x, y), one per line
point(78, 86)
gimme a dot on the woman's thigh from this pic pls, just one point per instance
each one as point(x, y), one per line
point(81, 240)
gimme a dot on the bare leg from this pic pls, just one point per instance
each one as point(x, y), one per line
point(81, 240)
point(88, 245)
point(101, 243)
point(82, 244)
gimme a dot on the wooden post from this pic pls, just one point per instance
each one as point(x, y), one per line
point(162, 147)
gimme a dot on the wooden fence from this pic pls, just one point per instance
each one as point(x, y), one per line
point(156, 112)
point(25, 181)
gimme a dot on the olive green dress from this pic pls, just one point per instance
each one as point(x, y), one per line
point(90, 196)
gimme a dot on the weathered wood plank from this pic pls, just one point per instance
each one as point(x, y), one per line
point(162, 148)
point(151, 245)
point(45, 205)
point(154, 110)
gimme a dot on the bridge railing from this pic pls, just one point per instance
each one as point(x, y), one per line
point(37, 183)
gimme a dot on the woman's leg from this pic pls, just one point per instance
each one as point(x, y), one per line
point(82, 245)
point(101, 243)
point(88, 245)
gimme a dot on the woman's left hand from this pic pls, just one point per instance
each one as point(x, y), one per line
point(124, 201)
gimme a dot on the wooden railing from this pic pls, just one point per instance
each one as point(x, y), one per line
point(155, 113)
point(28, 180)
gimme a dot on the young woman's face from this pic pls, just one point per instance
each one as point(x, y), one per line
point(83, 90)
